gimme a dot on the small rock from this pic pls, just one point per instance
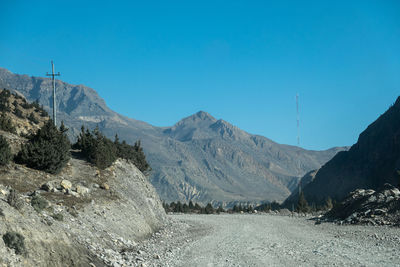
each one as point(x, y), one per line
point(72, 193)
point(105, 186)
point(47, 186)
point(156, 256)
point(66, 184)
point(80, 189)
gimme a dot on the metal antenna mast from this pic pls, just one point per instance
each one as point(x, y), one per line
point(298, 120)
point(298, 136)
point(52, 74)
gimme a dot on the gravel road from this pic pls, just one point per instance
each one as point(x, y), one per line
point(269, 240)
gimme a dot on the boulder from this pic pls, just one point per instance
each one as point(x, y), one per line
point(50, 186)
point(72, 193)
point(361, 206)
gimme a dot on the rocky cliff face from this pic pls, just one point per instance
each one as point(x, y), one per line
point(200, 158)
point(370, 163)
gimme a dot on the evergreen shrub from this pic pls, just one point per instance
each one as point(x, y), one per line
point(15, 241)
point(5, 151)
point(47, 150)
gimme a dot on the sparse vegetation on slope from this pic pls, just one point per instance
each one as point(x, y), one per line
point(17, 116)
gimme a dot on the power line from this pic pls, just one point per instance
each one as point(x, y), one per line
point(52, 74)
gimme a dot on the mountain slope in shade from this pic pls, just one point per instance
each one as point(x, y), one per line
point(200, 158)
point(370, 163)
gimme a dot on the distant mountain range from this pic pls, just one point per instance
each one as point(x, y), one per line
point(200, 158)
point(370, 163)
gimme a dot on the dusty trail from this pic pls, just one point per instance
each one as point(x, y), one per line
point(268, 240)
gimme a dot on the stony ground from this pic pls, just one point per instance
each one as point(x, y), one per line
point(265, 240)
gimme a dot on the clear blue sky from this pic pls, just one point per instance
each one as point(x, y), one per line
point(243, 61)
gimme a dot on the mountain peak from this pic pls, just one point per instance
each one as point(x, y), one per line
point(200, 117)
point(203, 116)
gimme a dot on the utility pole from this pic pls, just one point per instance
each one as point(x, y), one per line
point(298, 131)
point(52, 74)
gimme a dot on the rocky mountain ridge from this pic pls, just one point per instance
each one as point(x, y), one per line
point(200, 158)
point(370, 163)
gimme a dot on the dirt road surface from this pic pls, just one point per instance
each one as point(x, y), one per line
point(270, 240)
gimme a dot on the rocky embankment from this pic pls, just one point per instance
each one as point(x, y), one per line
point(381, 207)
point(80, 217)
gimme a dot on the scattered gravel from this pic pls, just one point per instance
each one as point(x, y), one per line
point(265, 240)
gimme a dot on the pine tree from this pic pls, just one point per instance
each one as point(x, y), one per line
point(220, 209)
point(209, 209)
point(302, 205)
point(197, 207)
point(63, 128)
point(328, 204)
point(165, 206)
point(32, 118)
point(18, 113)
point(96, 148)
point(235, 208)
point(191, 206)
point(5, 151)
point(185, 208)
point(4, 96)
point(178, 207)
point(6, 124)
point(47, 150)
point(102, 152)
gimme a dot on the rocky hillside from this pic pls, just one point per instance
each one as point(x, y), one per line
point(90, 216)
point(78, 217)
point(200, 158)
point(381, 207)
point(370, 163)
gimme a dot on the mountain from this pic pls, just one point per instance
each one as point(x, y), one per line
point(370, 163)
point(200, 158)
point(213, 159)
